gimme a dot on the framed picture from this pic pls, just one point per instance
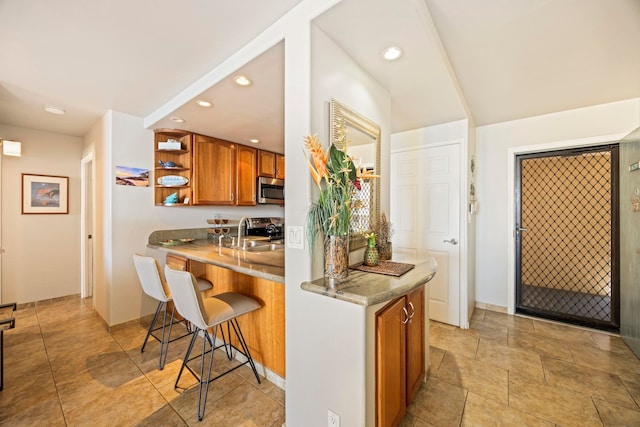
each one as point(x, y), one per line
point(45, 194)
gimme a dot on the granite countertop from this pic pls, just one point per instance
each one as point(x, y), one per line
point(371, 288)
point(267, 265)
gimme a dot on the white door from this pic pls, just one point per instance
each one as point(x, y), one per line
point(425, 211)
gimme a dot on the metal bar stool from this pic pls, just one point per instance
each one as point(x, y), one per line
point(154, 284)
point(206, 313)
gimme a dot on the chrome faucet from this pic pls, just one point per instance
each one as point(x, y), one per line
point(243, 220)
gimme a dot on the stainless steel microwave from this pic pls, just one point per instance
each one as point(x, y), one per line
point(270, 190)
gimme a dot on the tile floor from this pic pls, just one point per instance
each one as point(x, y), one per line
point(505, 370)
point(516, 371)
point(63, 368)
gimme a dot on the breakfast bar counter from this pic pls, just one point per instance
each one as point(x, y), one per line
point(253, 272)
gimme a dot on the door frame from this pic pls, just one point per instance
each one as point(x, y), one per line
point(463, 225)
point(511, 187)
point(85, 288)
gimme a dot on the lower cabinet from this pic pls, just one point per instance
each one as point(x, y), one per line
point(400, 362)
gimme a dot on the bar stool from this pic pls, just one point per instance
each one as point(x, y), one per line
point(154, 284)
point(204, 314)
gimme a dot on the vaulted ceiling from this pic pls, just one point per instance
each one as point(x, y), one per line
point(491, 60)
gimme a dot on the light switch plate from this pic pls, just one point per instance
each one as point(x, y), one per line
point(295, 236)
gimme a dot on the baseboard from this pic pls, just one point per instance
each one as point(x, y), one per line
point(491, 307)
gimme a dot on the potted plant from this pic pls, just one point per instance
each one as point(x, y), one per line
point(336, 176)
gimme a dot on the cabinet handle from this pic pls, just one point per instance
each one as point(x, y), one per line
point(232, 197)
point(406, 316)
point(413, 310)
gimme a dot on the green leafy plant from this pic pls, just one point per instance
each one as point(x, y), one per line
point(335, 174)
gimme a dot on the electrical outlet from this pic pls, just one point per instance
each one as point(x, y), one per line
point(334, 419)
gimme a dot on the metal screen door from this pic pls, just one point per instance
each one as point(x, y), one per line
point(567, 236)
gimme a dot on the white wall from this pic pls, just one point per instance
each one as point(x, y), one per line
point(42, 258)
point(493, 144)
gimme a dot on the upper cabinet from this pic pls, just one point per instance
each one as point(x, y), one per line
point(202, 170)
point(270, 165)
point(172, 158)
point(266, 164)
point(214, 171)
point(246, 179)
point(279, 166)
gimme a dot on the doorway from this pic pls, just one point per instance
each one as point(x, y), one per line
point(567, 236)
point(86, 227)
point(425, 210)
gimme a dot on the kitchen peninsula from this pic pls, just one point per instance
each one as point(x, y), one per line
point(259, 274)
point(381, 355)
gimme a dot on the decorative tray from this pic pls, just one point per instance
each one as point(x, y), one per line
point(175, 242)
point(389, 268)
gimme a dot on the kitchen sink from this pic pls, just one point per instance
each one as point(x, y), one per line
point(262, 247)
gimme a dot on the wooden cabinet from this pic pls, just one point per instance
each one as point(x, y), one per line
point(279, 166)
point(246, 179)
point(266, 164)
point(214, 171)
point(400, 364)
point(270, 165)
point(263, 329)
point(181, 158)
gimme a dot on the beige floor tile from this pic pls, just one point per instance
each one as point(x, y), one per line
point(409, 420)
point(591, 382)
point(435, 358)
point(25, 395)
point(555, 404)
point(563, 332)
point(123, 406)
point(482, 378)
point(479, 411)
point(615, 415)
point(453, 340)
point(244, 405)
point(90, 384)
point(478, 313)
point(632, 383)
point(165, 416)
point(490, 330)
point(524, 362)
point(611, 343)
point(42, 413)
point(607, 361)
point(512, 322)
point(438, 403)
point(541, 344)
point(65, 367)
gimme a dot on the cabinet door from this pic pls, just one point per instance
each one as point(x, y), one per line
point(214, 171)
point(279, 166)
point(390, 364)
point(247, 168)
point(267, 164)
point(415, 342)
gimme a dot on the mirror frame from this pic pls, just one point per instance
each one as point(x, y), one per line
point(341, 117)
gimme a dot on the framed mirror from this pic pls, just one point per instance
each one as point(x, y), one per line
point(363, 136)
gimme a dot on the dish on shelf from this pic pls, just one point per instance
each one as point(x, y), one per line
point(172, 181)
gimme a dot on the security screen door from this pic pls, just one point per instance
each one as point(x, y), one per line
point(567, 236)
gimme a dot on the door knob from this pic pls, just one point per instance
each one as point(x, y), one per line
point(453, 241)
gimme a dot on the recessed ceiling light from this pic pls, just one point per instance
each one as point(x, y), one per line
point(392, 53)
point(54, 110)
point(254, 141)
point(203, 103)
point(242, 80)
point(177, 119)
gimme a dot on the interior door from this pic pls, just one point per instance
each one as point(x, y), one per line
point(425, 211)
